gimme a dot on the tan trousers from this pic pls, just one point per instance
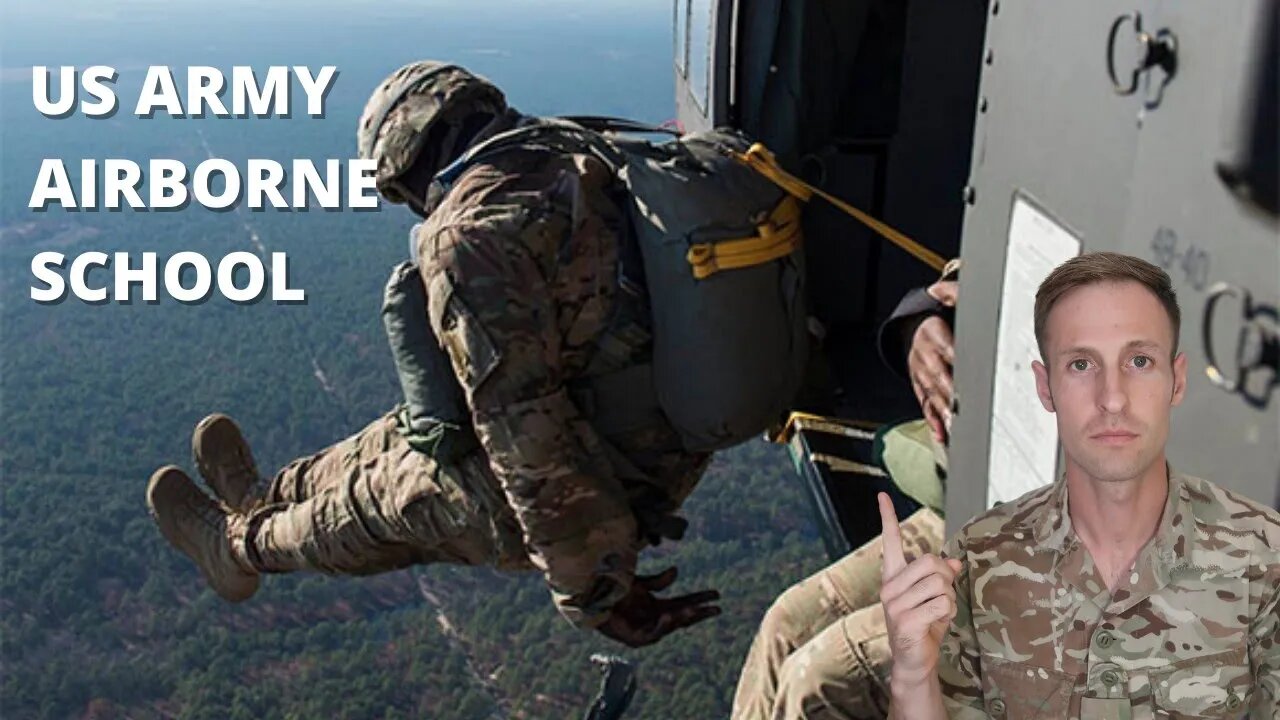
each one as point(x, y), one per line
point(822, 650)
point(370, 504)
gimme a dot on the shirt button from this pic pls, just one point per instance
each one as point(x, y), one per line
point(1233, 701)
point(1104, 639)
point(997, 707)
point(1110, 678)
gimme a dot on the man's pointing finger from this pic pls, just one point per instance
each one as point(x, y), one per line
point(891, 538)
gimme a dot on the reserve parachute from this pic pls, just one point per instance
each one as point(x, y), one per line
point(723, 269)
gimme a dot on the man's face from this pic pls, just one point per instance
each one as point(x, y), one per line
point(1108, 376)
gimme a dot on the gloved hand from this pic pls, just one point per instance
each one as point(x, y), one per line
point(641, 618)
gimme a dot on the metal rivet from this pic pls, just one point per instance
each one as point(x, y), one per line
point(995, 7)
point(990, 56)
point(970, 195)
point(982, 105)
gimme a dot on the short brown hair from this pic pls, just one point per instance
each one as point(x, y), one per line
point(1097, 267)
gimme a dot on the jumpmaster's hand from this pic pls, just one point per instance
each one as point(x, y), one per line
point(642, 618)
point(930, 360)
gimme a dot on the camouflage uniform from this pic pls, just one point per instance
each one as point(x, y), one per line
point(520, 262)
point(822, 649)
point(371, 503)
point(1194, 632)
point(565, 463)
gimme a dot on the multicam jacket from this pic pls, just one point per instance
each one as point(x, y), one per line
point(521, 265)
point(1195, 632)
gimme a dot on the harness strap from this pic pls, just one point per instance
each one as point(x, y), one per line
point(551, 134)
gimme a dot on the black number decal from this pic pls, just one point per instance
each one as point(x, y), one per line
point(1194, 263)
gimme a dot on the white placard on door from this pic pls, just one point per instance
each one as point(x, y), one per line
point(1024, 437)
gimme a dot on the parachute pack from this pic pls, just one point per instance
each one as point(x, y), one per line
point(723, 268)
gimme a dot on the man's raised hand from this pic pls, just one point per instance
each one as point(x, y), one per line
point(919, 602)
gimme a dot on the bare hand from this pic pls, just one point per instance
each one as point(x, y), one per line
point(930, 360)
point(919, 602)
point(946, 292)
point(641, 618)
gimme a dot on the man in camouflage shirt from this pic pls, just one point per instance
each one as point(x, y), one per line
point(519, 257)
point(1123, 591)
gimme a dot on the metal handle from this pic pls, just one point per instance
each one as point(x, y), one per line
point(1136, 19)
point(1216, 376)
point(1158, 49)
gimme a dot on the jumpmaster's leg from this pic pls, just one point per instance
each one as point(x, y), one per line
point(833, 616)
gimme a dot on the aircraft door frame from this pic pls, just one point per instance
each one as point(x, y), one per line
point(702, 62)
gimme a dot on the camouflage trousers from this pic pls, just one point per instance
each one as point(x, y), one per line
point(822, 650)
point(371, 504)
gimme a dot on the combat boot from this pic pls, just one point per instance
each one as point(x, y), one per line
point(225, 462)
point(204, 531)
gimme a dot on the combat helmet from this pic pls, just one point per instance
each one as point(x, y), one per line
point(421, 118)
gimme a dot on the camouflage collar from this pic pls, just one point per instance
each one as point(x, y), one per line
point(1169, 549)
point(1174, 538)
point(1051, 526)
